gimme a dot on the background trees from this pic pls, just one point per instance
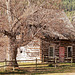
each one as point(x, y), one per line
point(68, 5)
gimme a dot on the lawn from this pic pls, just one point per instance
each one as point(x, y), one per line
point(30, 69)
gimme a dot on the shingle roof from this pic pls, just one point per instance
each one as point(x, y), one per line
point(55, 23)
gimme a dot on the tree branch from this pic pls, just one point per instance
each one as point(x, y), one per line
point(23, 43)
point(30, 10)
point(7, 33)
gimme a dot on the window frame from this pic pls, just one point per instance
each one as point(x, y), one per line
point(53, 51)
point(71, 51)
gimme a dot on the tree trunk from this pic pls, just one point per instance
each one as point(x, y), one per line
point(12, 52)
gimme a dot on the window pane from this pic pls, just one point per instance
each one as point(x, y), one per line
point(69, 52)
point(51, 51)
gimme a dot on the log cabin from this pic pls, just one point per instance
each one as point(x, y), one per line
point(45, 50)
point(56, 35)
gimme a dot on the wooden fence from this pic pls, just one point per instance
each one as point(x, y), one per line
point(56, 61)
point(5, 63)
point(36, 62)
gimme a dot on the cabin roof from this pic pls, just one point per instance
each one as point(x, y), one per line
point(55, 23)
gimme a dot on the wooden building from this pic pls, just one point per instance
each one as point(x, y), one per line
point(29, 52)
point(56, 34)
point(62, 49)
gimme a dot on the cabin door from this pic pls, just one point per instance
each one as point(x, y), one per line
point(61, 54)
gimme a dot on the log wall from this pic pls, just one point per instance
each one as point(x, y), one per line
point(62, 43)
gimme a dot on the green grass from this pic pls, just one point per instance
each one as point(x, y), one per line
point(30, 69)
point(41, 70)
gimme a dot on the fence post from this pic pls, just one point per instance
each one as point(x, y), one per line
point(5, 65)
point(43, 58)
point(36, 63)
point(13, 65)
point(55, 61)
point(71, 61)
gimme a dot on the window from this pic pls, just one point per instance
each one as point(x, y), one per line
point(69, 51)
point(51, 51)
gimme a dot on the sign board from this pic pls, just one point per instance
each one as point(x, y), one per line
point(61, 54)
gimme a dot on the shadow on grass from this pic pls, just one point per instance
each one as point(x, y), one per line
point(17, 71)
point(12, 72)
point(64, 66)
point(39, 70)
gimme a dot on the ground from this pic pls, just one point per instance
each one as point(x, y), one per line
point(60, 74)
point(44, 68)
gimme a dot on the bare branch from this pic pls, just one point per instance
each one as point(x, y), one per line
point(28, 12)
point(5, 32)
